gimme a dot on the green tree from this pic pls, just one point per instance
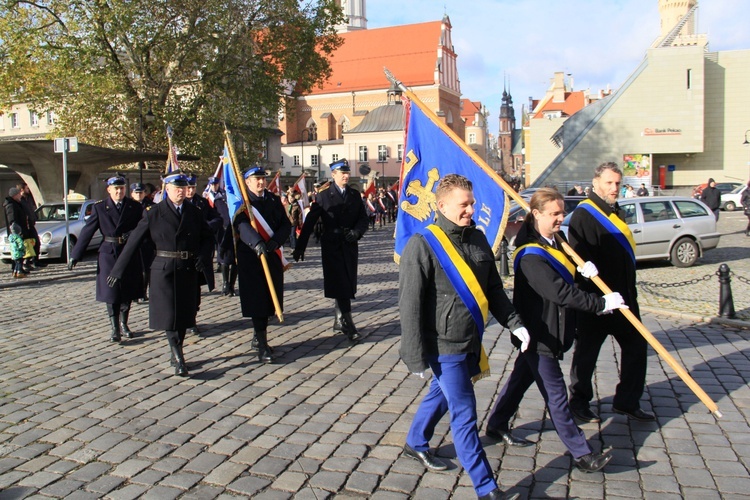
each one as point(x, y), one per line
point(101, 65)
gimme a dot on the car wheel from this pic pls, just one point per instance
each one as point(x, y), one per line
point(684, 253)
point(66, 249)
point(730, 206)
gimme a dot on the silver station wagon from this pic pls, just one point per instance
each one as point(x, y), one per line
point(674, 228)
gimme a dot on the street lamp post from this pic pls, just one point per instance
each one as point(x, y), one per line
point(141, 145)
point(320, 146)
point(302, 154)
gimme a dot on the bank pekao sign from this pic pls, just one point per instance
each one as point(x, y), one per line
point(661, 131)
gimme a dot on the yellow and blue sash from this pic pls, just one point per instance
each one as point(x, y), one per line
point(557, 259)
point(612, 223)
point(465, 282)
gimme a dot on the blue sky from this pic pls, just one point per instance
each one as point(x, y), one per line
point(598, 42)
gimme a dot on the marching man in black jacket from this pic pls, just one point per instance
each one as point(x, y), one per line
point(439, 328)
point(345, 220)
point(184, 244)
point(115, 216)
point(545, 295)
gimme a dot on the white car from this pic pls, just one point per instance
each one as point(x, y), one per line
point(674, 228)
point(50, 225)
point(730, 201)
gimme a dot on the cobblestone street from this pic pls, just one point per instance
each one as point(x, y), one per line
point(81, 417)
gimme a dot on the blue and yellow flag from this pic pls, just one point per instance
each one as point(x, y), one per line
point(235, 203)
point(433, 151)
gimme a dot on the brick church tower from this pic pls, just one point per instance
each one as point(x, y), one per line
point(506, 132)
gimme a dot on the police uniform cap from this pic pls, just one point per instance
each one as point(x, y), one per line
point(137, 187)
point(256, 171)
point(176, 179)
point(342, 165)
point(213, 180)
point(116, 180)
point(192, 179)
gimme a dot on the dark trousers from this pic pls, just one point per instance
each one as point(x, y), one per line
point(116, 308)
point(632, 370)
point(451, 391)
point(545, 371)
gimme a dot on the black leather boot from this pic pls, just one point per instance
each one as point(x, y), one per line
point(348, 328)
point(124, 324)
point(265, 353)
point(337, 318)
point(225, 279)
point(115, 322)
point(179, 360)
point(232, 279)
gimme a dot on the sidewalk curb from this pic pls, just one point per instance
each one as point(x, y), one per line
point(697, 318)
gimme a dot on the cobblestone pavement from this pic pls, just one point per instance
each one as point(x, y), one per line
point(81, 417)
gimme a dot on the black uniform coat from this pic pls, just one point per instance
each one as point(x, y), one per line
point(173, 304)
point(593, 242)
point(105, 218)
point(215, 223)
point(148, 249)
point(255, 296)
point(225, 237)
point(339, 256)
point(546, 302)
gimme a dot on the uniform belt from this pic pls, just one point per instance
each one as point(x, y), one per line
point(115, 239)
point(184, 255)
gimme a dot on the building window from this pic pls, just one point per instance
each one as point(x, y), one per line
point(282, 161)
point(314, 160)
point(363, 153)
point(312, 132)
point(33, 119)
point(14, 120)
point(382, 152)
point(689, 78)
point(334, 158)
point(51, 117)
point(296, 160)
point(400, 152)
point(472, 138)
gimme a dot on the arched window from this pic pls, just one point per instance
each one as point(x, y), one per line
point(312, 131)
point(344, 126)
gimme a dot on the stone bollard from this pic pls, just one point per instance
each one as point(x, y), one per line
point(726, 303)
point(504, 258)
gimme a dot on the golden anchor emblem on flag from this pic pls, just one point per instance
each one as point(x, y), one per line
point(426, 203)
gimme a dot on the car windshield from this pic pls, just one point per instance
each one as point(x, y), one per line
point(738, 189)
point(56, 212)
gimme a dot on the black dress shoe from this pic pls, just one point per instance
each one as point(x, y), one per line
point(585, 415)
point(638, 414)
point(507, 438)
point(497, 494)
point(425, 457)
point(593, 461)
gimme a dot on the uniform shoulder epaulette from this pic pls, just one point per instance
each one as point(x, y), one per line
point(150, 206)
point(99, 201)
point(323, 188)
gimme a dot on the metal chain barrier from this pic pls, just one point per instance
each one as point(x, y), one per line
point(694, 281)
point(740, 278)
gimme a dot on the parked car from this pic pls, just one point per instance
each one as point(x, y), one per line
point(50, 225)
point(674, 228)
point(731, 201)
point(724, 187)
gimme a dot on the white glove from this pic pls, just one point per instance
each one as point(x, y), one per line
point(613, 301)
point(588, 270)
point(522, 334)
point(419, 374)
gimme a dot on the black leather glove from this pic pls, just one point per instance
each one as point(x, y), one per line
point(298, 255)
point(72, 264)
point(260, 249)
point(351, 235)
point(199, 265)
point(112, 281)
point(272, 245)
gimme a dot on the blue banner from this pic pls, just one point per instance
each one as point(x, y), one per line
point(431, 154)
point(232, 186)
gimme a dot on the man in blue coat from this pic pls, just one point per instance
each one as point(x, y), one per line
point(345, 221)
point(115, 216)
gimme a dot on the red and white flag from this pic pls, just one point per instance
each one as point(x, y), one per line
point(301, 188)
point(370, 189)
point(275, 185)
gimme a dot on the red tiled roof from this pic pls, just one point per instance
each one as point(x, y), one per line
point(469, 109)
point(409, 51)
point(574, 102)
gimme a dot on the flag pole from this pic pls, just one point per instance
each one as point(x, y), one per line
point(679, 370)
point(253, 223)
